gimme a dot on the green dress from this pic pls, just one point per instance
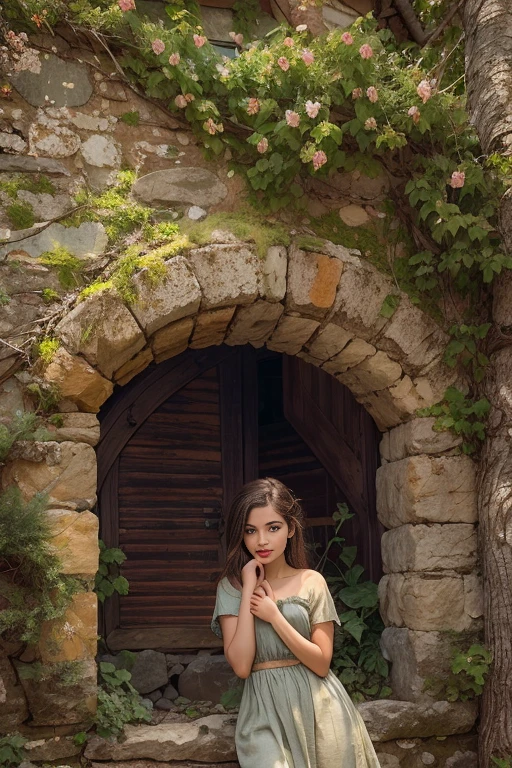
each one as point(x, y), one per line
point(291, 717)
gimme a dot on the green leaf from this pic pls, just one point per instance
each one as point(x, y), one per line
point(360, 595)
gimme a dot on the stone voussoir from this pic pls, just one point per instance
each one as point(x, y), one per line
point(177, 294)
point(254, 324)
point(78, 381)
point(103, 330)
point(229, 274)
point(312, 282)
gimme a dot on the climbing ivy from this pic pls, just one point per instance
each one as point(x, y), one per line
point(462, 416)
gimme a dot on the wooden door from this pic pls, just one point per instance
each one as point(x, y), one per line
point(171, 457)
point(179, 441)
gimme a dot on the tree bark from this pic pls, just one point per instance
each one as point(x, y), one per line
point(488, 28)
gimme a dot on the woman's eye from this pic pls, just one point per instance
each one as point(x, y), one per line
point(275, 528)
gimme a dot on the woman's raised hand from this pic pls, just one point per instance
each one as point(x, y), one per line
point(263, 604)
point(265, 590)
point(253, 574)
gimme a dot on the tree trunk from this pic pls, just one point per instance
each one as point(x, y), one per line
point(488, 26)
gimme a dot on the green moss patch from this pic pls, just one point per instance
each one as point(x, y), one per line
point(69, 268)
point(247, 226)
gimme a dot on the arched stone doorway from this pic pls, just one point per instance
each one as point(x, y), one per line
point(177, 443)
point(325, 307)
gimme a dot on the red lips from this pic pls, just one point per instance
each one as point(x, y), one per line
point(264, 552)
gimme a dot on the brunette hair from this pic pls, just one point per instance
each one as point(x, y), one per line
point(260, 493)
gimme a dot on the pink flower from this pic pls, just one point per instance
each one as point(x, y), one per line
point(292, 118)
point(457, 180)
point(307, 57)
point(289, 42)
point(262, 145)
point(414, 113)
point(253, 107)
point(312, 108)
point(372, 94)
point(347, 38)
point(180, 101)
point(424, 90)
point(283, 63)
point(370, 124)
point(199, 40)
point(189, 97)
point(174, 59)
point(366, 51)
point(126, 5)
point(237, 38)
point(319, 159)
point(158, 46)
point(212, 127)
point(357, 93)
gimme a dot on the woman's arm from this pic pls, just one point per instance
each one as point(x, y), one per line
point(239, 638)
point(238, 631)
point(315, 653)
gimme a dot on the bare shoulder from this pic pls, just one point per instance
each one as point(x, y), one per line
point(313, 577)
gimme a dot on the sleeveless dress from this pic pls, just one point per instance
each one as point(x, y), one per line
point(290, 717)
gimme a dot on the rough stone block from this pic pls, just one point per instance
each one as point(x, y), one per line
point(13, 704)
point(228, 274)
point(254, 324)
point(415, 656)
point(412, 337)
point(196, 186)
point(175, 296)
point(312, 282)
point(361, 292)
point(55, 705)
point(73, 637)
point(49, 83)
point(430, 601)
point(354, 353)
point(149, 671)
point(206, 679)
point(69, 483)
point(329, 342)
point(76, 428)
point(78, 381)
point(291, 334)
point(172, 340)
point(211, 327)
point(430, 548)
point(136, 365)
point(172, 741)
point(87, 241)
point(425, 489)
point(387, 720)
point(375, 372)
point(273, 273)
point(415, 437)
point(74, 539)
point(103, 330)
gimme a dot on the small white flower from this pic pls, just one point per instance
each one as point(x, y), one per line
point(301, 28)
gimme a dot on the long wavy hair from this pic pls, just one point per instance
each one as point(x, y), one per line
point(260, 493)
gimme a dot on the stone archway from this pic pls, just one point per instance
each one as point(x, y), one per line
point(326, 307)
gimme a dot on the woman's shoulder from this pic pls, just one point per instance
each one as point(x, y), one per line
point(313, 579)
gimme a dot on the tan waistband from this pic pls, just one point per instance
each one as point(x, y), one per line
point(274, 664)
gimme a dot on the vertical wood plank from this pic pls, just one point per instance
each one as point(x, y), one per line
point(231, 426)
point(250, 412)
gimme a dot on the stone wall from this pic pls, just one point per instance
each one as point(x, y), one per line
point(322, 302)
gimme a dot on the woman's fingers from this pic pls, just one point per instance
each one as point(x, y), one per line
point(268, 589)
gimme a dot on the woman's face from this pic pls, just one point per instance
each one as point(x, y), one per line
point(266, 534)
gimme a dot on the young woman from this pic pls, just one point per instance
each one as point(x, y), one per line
point(275, 616)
